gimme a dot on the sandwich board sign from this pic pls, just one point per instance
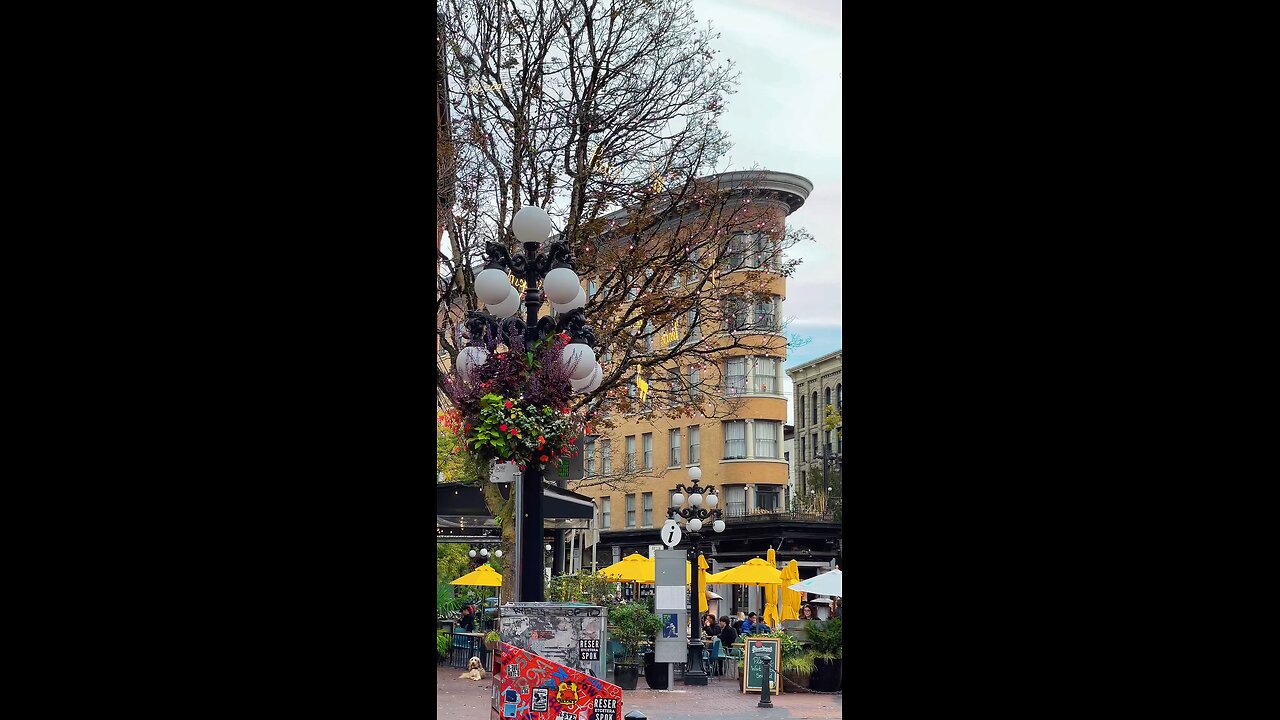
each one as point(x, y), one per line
point(757, 649)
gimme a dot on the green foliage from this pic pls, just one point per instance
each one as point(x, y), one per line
point(446, 603)
point(826, 638)
point(443, 642)
point(451, 562)
point(795, 658)
point(632, 624)
point(582, 587)
point(492, 637)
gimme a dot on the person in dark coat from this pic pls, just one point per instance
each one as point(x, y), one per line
point(710, 626)
point(728, 636)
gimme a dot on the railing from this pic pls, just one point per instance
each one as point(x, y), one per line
point(811, 514)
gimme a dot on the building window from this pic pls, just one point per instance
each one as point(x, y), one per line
point(695, 454)
point(675, 281)
point(737, 313)
point(647, 507)
point(735, 253)
point(766, 318)
point(606, 507)
point(735, 440)
point(695, 331)
point(766, 438)
point(631, 510)
point(828, 402)
point(814, 410)
point(800, 413)
point(839, 440)
point(591, 288)
point(606, 457)
point(590, 457)
point(801, 449)
point(675, 448)
point(647, 331)
point(648, 450)
point(631, 455)
point(695, 276)
point(767, 380)
point(735, 376)
point(839, 397)
point(695, 381)
point(817, 449)
point(735, 501)
point(767, 497)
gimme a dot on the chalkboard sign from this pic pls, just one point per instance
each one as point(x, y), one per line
point(757, 649)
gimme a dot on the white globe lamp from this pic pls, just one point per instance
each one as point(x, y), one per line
point(594, 377)
point(580, 359)
point(677, 499)
point(579, 300)
point(484, 552)
point(531, 224)
point(598, 378)
point(471, 553)
point(695, 474)
point(492, 286)
point(695, 525)
point(561, 285)
point(471, 358)
point(712, 500)
point(507, 307)
point(497, 553)
point(718, 526)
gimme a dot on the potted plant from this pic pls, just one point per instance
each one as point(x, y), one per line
point(631, 625)
point(826, 641)
point(491, 640)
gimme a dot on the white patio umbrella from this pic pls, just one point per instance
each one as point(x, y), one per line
point(828, 583)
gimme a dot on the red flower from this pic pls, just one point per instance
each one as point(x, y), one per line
point(502, 427)
point(544, 458)
point(567, 411)
point(541, 439)
point(522, 468)
point(515, 431)
point(509, 403)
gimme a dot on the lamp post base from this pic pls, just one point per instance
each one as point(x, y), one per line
point(693, 673)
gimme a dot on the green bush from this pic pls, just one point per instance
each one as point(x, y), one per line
point(443, 642)
point(631, 625)
point(826, 639)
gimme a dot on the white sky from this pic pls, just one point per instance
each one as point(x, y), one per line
point(786, 116)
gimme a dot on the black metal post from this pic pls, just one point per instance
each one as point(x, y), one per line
point(764, 684)
point(532, 588)
point(694, 674)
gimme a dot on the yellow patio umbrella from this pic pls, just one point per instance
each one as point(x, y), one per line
point(790, 598)
point(630, 569)
point(702, 583)
point(484, 575)
point(753, 572)
point(771, 594)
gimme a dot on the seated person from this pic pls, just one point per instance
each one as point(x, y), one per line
point(728, 636)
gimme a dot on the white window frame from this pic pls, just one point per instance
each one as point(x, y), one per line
point(695, 447)
point(673, 442)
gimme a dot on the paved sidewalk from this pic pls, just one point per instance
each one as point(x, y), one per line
point(721, 699)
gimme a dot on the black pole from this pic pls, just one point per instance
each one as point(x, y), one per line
point(764, 684)
point(693, 672)
point(531, 560)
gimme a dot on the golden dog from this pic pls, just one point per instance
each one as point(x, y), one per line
point(474, 670)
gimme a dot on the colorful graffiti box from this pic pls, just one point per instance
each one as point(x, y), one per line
point(531, 687)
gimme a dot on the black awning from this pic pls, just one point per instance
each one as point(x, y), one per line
point(458, 502)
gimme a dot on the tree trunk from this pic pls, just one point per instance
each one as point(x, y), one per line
point(505, 512)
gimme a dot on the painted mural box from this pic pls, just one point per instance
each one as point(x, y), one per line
point(568, 633)
point(527, 686)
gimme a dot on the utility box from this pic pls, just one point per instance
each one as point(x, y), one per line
point(529, 687)
point(572, 634)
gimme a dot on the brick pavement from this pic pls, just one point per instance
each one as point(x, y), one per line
point(721, 699)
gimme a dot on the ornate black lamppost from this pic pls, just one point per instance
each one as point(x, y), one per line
point(555, 270)
point(694, 515)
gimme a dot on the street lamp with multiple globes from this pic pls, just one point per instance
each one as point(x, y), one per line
point(555, 270)
point(694, 515)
